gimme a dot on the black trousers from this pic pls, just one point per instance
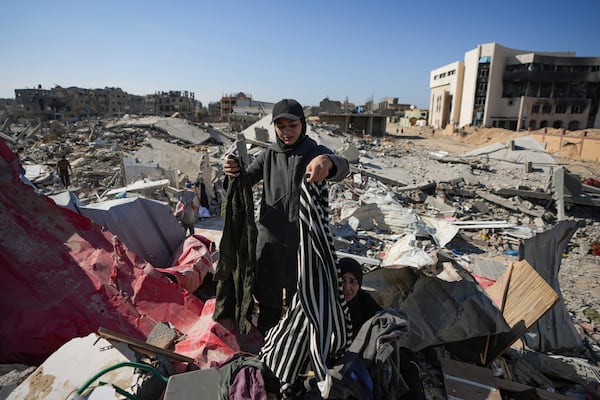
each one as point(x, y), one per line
point(64, 177)
point(268, 317)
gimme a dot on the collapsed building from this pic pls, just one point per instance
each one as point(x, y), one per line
point(473, 248)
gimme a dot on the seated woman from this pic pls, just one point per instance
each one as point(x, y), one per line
point(360, 303)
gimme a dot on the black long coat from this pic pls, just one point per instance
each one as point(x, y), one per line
point(281, 171)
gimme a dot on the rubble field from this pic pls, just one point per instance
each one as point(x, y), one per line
point(580, 269)
point(420, 205)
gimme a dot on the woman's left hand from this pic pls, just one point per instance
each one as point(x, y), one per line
point(318, 168)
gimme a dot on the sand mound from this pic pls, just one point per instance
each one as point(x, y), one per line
point(485, 136)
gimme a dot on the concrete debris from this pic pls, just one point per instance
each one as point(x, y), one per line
point(434, 231)
point(61, 374)
point(127, 217)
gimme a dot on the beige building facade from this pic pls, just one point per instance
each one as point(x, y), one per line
point(500, 87)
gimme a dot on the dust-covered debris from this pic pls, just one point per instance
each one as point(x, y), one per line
point(399, 185)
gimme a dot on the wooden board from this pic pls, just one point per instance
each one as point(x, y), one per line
point(142, 347)
point(524, 297)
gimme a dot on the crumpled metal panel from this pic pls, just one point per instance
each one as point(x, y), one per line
point(555, 329)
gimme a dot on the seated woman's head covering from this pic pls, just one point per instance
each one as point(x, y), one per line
point(348, 264)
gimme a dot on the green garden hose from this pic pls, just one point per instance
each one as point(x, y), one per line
point(141, 366)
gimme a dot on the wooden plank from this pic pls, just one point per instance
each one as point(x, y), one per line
point(530, 194)
point(501, 201)
point(142, 347)
point(524, 297)
point(380, 178)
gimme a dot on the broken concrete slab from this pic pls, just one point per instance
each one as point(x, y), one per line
point(560, 367)
point(146, 226)
point(68, 200)
point(515, 153)
point(509, 204)
point(320, 135)
point(168, 156)
point(175, 127)
point(133, 171)
point(69, 368)
point(139, 186)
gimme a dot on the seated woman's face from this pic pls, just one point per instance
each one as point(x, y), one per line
point(350, 286)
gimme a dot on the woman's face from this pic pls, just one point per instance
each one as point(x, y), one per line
point(288, 130)
point(350, 286)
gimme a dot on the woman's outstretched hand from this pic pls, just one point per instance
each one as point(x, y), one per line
point(318, 168)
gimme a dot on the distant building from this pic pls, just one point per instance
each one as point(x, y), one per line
point(352, 119)
point(229, 102)
point(357, 123)
point(248, 111)
point(389, 106)
point(327, 106)
point(413, 117)
point(38, 103)
point(168, 103)
point(496, 86)
point(75, 103)
point(214, 109)
point(84, 103)
point(253, 107)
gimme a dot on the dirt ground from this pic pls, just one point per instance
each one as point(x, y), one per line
point(473, 138)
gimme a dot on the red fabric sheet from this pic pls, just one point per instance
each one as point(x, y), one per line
point(64, 277)
point(191, 262)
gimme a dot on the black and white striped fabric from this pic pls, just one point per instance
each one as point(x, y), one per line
point(317, 322)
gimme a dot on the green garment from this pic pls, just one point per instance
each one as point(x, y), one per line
point(237, 259)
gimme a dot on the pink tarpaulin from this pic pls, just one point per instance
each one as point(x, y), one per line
point(64, 277)
point(191, 262)
point(212, 343)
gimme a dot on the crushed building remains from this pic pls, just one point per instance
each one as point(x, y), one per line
point(492, 255)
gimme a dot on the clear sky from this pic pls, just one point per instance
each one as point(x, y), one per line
point(308, 50)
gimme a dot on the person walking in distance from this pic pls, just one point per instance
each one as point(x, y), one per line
point(190, 201)
point(63, 167)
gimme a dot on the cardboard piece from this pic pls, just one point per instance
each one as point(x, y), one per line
point(523, 297)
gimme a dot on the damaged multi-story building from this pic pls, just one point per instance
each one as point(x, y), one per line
point(174, 101)
point(74, 103)
point(500, 87)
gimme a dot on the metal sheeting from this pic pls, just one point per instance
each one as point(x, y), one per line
point(555, 330)
point(146, 226)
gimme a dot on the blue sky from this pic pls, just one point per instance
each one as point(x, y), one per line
point(306, 50)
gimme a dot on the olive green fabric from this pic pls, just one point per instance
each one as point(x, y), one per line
point(237, 260)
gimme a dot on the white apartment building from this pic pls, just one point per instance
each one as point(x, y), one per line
point(496, 86)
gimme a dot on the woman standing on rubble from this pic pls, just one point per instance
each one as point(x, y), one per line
point(281, 167)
